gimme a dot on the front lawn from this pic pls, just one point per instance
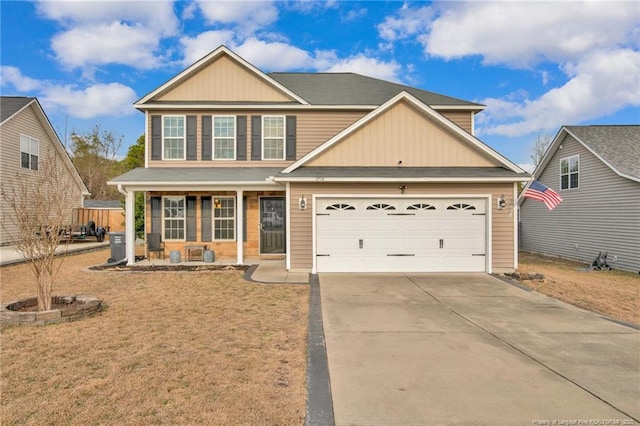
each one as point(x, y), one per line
point(170, 348)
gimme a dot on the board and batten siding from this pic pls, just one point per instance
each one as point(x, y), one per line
point(301, 221)
point(313, 129)
point(402, 135)
point(601, 215)
point(224, 80)
point(26, 122)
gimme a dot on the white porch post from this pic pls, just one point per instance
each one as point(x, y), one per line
point(239, 227)
point(130, 227)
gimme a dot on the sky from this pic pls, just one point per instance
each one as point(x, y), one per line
point(535, 65)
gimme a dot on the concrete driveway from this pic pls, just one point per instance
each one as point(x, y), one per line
point(424, 349)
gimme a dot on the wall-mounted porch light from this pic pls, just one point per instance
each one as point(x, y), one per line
point(302, 203)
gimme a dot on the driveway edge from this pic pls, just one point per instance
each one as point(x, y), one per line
point(319, 400)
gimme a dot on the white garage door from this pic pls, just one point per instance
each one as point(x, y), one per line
point(400, 235)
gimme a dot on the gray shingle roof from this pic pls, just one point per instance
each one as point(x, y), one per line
point(197, 175)
point(355, 89)
point(102, 204)
point(9, 105)
point(403, 172)
point(619, 146)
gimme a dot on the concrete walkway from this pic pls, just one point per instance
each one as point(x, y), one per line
point(9, 255)
point(427, 349)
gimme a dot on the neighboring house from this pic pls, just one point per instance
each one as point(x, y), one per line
point(596, 170)
point(336, 172)
point(27, 137)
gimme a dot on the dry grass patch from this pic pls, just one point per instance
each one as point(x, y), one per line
point(612, 293)
point(176, 348)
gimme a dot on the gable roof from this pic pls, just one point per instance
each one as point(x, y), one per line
point(10, 105)
point(617, 146)
point(356, 89)
point(208, 59)
point(13, 105)
point(401, 97)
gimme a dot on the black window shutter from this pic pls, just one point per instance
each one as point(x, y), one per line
point(192, 140)
point(206, 218)
point(207, 137)
point(156, 215)
point(291, 137)
point(241, 137)
point(256, 137)
point(156, 137)
point(191, 219)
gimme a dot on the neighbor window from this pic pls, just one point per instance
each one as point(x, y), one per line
point(29, 148)
point(273, 138)
point(224, 138)
point(173, 140)
point(569, 172)
point(224, 218)
point(173, 211)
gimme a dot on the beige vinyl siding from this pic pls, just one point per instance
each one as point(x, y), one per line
point(601, 215)
point(402, 134)
point(26, 122)
point(301, 223)
point(224, 80)
point(463, 119)
point(313, 129)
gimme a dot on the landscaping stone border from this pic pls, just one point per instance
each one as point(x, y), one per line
point(86, 306)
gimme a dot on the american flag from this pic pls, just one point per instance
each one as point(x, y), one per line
point(540, 192)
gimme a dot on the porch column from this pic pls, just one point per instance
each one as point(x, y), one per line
point(239, 227)
point(130, 227)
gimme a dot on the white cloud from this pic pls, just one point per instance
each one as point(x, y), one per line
point(261, 54)
point(196, 47)
point(111, 99)
point(406, 23)
point(365, 65)
point(600, 84)
point(99, 44)
point(522, 34)
point(11, 76)
point(246, 17)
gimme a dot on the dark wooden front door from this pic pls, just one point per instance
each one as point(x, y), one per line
point(272, 225)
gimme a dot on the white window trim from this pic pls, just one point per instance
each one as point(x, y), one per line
point(568, 159)
point(214, 218)
point(284, 137)
point(184, 138)
point(30, 139)
point(183, 218)
point(213, 137)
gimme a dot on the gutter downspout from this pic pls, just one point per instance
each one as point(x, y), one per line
point(129, 227)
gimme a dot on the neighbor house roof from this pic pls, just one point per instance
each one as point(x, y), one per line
point(197, 176)
point(102, 204)
point(10, 105)
point(356, 89)
point(617, 146)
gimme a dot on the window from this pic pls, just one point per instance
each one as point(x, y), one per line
point(273, 138)
point(381, 207)
point(174, 212)
point(421, 206)
point(224, 138)
point(224, 218)
point(29, 148)
point(173, 140)
point(461, 206)
point(340, 207)
point(569, 171)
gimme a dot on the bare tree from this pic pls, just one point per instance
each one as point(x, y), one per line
point(539, 148)
point(40, 206)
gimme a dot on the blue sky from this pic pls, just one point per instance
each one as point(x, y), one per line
point(535, 65)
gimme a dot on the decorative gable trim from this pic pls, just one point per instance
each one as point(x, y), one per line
point(405, 96)
point(206, 60)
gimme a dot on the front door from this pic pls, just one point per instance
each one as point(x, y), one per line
point(272, 226)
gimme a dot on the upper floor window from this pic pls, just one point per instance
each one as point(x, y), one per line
point(224, 138)
point(173, 137)
point(29, 151)
point(569, 172)
point(273, 138)
point(173, 217)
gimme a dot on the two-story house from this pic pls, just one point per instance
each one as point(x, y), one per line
point(27, 139)
point(336, 172)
